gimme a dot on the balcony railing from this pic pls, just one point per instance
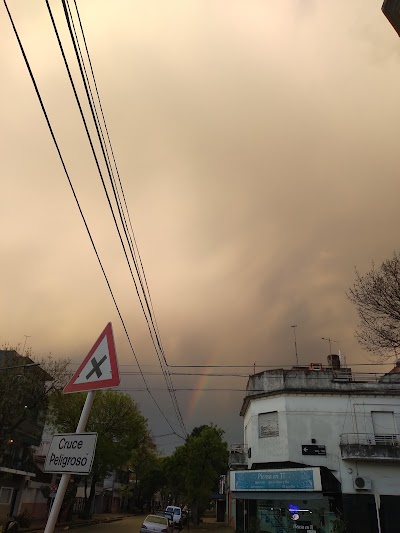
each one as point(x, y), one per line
point(370, 439)
point(369, 447)
point(238, 455)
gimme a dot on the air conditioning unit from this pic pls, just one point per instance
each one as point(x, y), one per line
point(362, 483)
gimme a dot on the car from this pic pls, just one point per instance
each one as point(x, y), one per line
point(156, 524)
point(177, 515)
point(170, 516)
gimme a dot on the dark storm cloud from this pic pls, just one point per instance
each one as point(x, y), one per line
point(258, 147)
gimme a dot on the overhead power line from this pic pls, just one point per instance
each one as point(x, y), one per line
point(77, 202)
point(146, 304)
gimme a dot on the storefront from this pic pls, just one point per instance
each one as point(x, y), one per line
point(280, 501)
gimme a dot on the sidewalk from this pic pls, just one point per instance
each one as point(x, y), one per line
point(209, 523)
point(76, 522)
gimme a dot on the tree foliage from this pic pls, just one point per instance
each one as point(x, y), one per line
point(376, 296)
point(25, 391)
point(149, 477)
point(195, 467)
point(117, 420)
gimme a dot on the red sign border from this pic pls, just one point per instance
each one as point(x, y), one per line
point(102, 384)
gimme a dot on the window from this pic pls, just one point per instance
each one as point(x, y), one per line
point(5, 495)
point(384, 427)
point(268, 425)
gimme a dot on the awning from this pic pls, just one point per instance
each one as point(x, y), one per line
point(16, 472)
point(277, 495)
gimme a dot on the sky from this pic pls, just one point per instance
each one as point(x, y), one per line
point(257, 143)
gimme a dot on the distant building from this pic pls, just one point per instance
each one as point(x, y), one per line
point(321, 443)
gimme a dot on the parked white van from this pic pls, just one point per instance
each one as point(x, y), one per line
point(177, 514)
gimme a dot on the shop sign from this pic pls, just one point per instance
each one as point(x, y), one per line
point(302, 479)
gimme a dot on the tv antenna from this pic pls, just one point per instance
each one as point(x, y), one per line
point(295, 343)
point(330, 343)
point(26, 338)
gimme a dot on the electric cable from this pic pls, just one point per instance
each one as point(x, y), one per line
point(89, 95)
point(115, 163)
point(77, 202)
point(101, 139)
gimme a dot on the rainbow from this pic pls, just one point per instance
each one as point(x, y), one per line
point(198, 393)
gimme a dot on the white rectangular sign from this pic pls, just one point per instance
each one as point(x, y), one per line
point(71, 453)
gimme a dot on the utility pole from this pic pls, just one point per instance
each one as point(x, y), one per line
point(295, 344)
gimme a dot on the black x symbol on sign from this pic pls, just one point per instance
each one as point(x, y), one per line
point(96, 367)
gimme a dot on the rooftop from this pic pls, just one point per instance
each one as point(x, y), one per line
point(320, 379)
point(11, 359)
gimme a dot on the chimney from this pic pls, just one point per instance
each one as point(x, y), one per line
point(334, 361)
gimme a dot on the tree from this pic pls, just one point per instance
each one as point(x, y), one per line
point(25, 391)
point(146, 466)
point(376, 296)
point(196, 466)
point(116, 419)
point(149, 477)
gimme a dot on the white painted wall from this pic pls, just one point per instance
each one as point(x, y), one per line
point(272, 449)
point(323, 417)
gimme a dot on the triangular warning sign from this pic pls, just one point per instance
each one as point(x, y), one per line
point(99, 370)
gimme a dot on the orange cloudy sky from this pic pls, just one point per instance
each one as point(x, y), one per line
point(257, 142)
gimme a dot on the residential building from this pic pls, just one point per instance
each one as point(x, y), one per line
point(25, 383)
point(321, 443)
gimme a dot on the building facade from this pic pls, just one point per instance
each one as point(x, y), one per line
point(22, 384)
point(321, 446)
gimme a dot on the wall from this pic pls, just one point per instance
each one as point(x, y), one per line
point(266, 449)
point(323, 417)
point(16, 482)
point(33, 500)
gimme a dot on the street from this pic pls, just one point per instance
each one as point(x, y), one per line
point(130, 524)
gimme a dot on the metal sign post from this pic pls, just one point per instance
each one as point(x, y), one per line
point(99, 370)
point(62, 487)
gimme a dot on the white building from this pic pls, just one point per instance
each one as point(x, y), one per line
point(320, 442)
